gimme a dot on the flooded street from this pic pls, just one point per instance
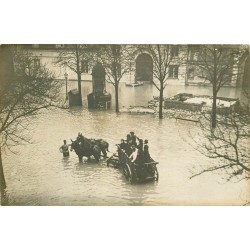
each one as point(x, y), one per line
point(38, 175)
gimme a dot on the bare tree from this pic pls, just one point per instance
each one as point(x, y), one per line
point(116, 59)
point(72, 57)
point(165, 58)
point(228, 143)
point(217, 64)
point(30, 89)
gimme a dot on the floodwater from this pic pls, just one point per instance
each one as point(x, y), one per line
point(38, 175)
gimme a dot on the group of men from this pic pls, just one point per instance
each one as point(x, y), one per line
point(136, 148)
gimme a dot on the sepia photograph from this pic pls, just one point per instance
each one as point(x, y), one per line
point(124, 124)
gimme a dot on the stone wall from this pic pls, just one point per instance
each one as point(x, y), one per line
point(169, 104)
point(177, 102)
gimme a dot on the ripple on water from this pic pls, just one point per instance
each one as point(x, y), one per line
point(39, 176)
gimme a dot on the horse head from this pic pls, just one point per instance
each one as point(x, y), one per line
point(74, 145)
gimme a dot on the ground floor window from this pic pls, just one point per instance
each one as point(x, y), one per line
point(173, 71)
point(84, 66)
point(191, 74)
point(36, 62)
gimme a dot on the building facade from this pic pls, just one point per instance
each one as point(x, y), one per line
point(182, 70)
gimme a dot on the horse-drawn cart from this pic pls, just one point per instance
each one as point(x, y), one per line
point(134, 172)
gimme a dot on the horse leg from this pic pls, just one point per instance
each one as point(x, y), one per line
point(104, 152)
point(97, 157)
point(107, 147)
point(80, 158)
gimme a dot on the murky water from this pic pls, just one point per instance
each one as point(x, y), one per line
point(38, 174)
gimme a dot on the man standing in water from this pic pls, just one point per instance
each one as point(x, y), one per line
point(64, 149)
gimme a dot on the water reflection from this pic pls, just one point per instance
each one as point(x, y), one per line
point(139, 194)
point(129, 96)
point(66, 163)
point(46, 178)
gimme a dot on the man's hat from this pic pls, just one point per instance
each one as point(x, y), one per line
point(146, 141)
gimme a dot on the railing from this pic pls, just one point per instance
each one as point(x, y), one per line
point(123, 157)
point(150, 163)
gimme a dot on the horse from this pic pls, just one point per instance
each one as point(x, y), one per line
point(104, 146)
point(83, 147)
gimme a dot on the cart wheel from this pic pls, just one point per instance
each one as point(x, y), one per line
point(129, 174)
point(156, 173)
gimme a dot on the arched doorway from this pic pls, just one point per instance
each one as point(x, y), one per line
point(98, 79)
point(144, 68)
point(99, 98)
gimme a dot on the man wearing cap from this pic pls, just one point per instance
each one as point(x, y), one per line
point(146, 151)
point(133, 138)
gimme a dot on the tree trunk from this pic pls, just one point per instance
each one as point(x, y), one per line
point(161, 102)
point(78, 71)
point(116, 98)
point(214, 90)
point(79, 79)
point(214, 118)
point(2, 178)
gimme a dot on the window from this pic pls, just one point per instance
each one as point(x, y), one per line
point(173, 71)
point(59, 46)
point(116, 50)
point(191, 55)
point(84, 66)
point(118, 69)
point(174, 51)
point(193, 49)
point(47, 46)
point(191, 74)
point(36, 63)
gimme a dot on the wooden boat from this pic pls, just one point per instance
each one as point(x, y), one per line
point(134, 173)
point(136, 84)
